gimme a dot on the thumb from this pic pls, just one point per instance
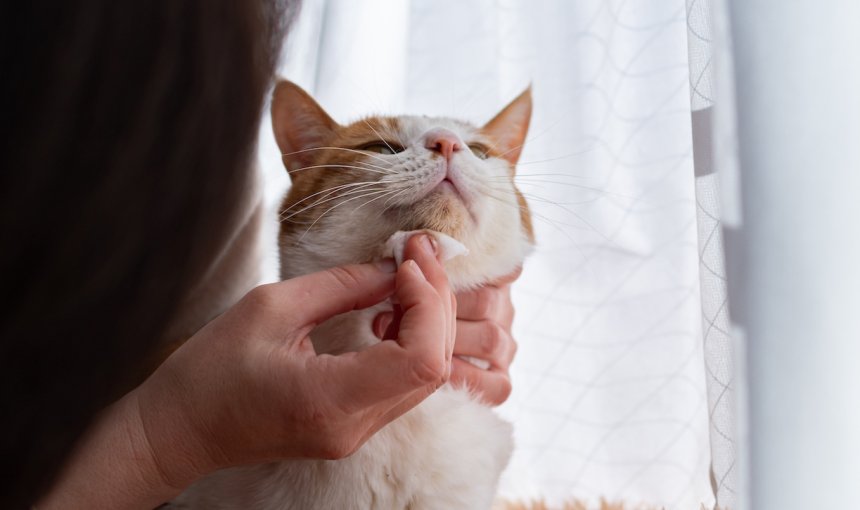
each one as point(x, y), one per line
point(319, 296)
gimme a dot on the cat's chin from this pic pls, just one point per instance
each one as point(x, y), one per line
point(443, 210)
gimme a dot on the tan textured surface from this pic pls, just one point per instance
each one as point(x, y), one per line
point(573, 505)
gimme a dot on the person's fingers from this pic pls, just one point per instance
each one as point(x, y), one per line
point(508, 278)
point(489, 302)
point(450, 341)
point(485, 340)
point(316, 297)
point(422, 250)
point(485, 303)
point(415, 359)
point(382, 372)
point(492, 301)
point(494, 386)
point(381, 324)
point(425, 322)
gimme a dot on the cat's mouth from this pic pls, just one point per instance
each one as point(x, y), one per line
point(450, 181)
point(451, 188)
point(448, 186)
point(443, 207)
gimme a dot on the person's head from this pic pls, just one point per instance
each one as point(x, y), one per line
point(129, 133)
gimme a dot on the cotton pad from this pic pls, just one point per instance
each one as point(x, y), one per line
point(448, 246)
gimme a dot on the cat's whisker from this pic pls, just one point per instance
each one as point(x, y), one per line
point(355, 151)
point(346, 185)
point(531, 195)
point(330, 209)
point(377, 198)
point(546, 130)
point(389, 199)
point(365, 193)
point(355, 187)
point(389, 170)
point(382, 139)
point(534, 179)
point(537, 182)
point(328, 197)
point(552, 223)
point(558, 158)
point(371, 165)
point(329, 191)
point(521, 174)
point(339, 166)
point(571, 212)
point(538, 198)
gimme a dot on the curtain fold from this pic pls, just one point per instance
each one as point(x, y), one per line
point(706, 59)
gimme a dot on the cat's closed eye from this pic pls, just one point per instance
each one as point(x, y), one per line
point(382, 147)
point(479, 150)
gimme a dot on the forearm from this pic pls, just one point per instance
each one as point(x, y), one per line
point(115, 466)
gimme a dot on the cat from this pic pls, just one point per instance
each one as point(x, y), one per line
point(353, 187)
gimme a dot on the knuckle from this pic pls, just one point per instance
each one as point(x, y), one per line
point(344, 276)
point(428, 371)
point(492, 299)
point(505, 388)
point(507, 304)
point(483, 303)
point(333, 444)
point(493, 340)
point(335, 448)
point(261, 297)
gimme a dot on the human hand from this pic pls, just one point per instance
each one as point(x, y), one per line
point(249, 388)
point(484, 319)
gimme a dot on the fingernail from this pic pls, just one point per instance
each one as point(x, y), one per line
point(387, 266)
point(413, 266)
point(430, 244)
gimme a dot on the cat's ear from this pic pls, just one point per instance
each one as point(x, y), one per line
point(299, 124)
point(509, 127)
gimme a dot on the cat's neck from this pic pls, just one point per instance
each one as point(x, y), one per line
point(488, 259)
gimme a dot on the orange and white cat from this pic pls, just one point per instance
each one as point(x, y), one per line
point(353, 187)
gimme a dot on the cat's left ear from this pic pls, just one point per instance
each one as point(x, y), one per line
point(300, 125)
point(509, 127)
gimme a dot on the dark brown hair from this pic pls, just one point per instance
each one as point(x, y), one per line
point(129, 129)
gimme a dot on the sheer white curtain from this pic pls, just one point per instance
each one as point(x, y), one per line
point(611, 387)
point(657, 198)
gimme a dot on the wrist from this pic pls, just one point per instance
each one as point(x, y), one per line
point(176, 450)
point(113, 466)
point(139, 453)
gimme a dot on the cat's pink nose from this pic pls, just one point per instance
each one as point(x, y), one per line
point(442, 141)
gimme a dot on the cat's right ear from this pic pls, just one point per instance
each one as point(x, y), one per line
point(300, 126)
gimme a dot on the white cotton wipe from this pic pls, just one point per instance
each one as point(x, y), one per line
point(448, 246)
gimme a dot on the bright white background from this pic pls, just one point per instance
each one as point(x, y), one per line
point(609, 387)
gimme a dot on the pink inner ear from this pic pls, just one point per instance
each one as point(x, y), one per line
point(300, 124)
point(510, 126)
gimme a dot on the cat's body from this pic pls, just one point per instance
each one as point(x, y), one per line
point(353, 187)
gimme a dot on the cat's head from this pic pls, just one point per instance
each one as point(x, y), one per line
point(354, 185)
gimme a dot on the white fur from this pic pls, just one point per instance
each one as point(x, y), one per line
point(449, 451)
